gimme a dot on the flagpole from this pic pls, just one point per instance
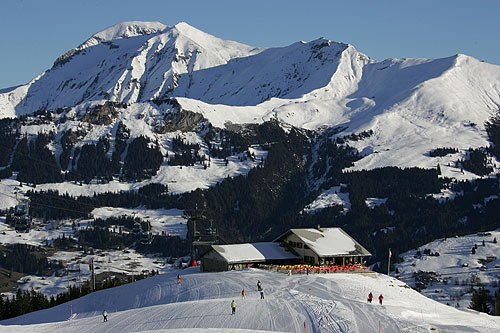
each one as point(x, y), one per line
point(389, 263)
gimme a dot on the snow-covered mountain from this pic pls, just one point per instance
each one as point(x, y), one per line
point(411, 105)
point(128, 62)
point(297, 303)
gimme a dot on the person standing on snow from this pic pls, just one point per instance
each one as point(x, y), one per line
point(259, 285)
point(233, 307)
point(243, 293)
point(261, 294)
point(370, 297)
point(380, 299)
point(105, 316)
point(178, 279)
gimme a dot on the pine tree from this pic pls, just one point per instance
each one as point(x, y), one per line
point(479, 300)
point(496, 304)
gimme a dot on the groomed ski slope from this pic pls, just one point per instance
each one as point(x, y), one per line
point(325, 303)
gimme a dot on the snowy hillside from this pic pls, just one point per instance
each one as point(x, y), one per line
point(411, 105)
point(454, 270)
point(323, 303)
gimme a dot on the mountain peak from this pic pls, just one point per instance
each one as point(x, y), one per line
point(117, 31)
point(129, 29)
point(191, 32)
point(123, 30)
point(185, 27)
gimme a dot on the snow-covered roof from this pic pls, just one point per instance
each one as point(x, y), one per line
point(328, 242)
point(253, 252)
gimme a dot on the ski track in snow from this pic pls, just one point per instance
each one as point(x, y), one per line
point(325, 303)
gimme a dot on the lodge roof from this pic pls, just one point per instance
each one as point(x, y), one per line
point(253, 252)
point(327, 242)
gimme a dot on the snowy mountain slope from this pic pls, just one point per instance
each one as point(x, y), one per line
point(140, 119)
point(456, 269)
point(412, 105)
point(287, 72)
point(448, 110)
point(326, 303)
point(129, 62)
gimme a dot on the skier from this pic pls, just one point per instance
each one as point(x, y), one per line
point(243, 293)
point(259, 285)
point(380, 299)
point(178, 279)
point(261, 294)
point(233, 307)
point(105, 315)
point(370, 297)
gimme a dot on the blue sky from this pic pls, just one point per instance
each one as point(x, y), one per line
point(35, 32)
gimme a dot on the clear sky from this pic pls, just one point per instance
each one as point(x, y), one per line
point(35, 32)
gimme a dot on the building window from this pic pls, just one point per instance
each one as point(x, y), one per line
point(306, 247)
point(299, 245)
point(309, 260)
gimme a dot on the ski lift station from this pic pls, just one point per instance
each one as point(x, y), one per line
point(20, 217)
point(320, 246)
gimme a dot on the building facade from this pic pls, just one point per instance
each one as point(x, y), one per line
point(313, 246)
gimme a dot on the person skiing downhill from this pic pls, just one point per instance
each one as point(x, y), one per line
point(105, 316)
point(380, 299)
point(370, 297)
point(243, 293)
point(233, 307)
point(259, 285)
point(178, 279)
point(262, 294)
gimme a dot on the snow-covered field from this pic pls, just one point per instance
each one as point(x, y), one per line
point(76, 262)
point(315, 303)
point(456, 267)
point(329, 198)
point(170, 221)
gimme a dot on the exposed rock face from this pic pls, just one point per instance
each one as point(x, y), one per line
point(102, 114)
point(185, 121)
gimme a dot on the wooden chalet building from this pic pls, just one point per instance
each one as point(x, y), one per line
point(323, 246)
point(320, 246)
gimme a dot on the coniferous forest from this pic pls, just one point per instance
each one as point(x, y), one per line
point(271, 198)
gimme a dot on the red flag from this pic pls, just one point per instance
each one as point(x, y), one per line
point(390, 253)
